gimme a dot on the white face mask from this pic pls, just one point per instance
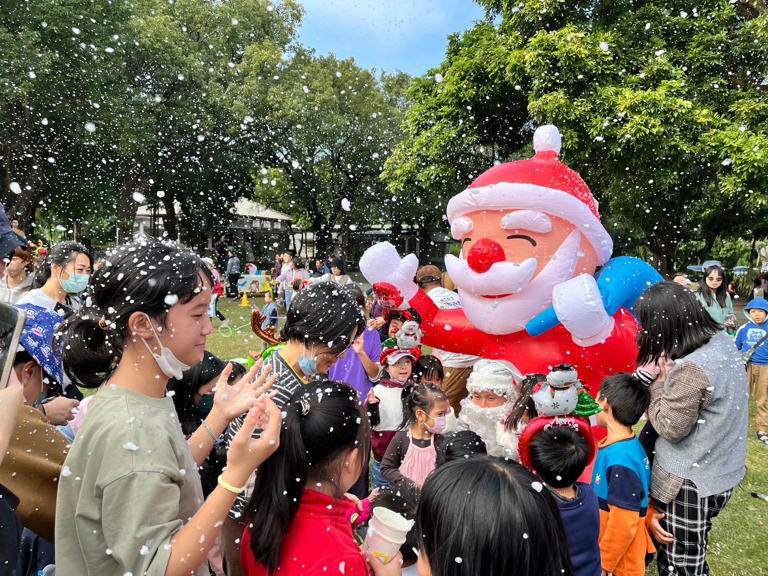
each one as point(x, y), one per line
point(166, 360)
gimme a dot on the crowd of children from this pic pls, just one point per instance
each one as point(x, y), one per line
point(185, 465)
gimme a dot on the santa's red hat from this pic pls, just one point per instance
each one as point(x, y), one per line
point(541, 183)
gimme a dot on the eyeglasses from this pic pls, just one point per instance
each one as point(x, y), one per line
point(337, 354)
point(714, 279)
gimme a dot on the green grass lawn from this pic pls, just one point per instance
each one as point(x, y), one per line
point(227, 344)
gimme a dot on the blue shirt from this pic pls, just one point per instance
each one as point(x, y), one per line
point(270, 316)
point(581, 520)
point(621, 476)
point(748, 336)
point(233, 265)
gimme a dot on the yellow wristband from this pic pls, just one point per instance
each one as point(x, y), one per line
point(227, 486)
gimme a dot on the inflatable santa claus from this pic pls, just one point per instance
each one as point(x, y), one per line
point(531, 243)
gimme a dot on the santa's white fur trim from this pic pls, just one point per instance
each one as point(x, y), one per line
point(512, 195)
point(478, 382)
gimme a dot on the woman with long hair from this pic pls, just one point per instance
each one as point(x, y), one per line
point(699, 410)
point(713, 295)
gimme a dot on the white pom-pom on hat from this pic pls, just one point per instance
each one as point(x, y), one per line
point(547, 138)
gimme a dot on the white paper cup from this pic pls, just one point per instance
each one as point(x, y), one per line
point(387, 531)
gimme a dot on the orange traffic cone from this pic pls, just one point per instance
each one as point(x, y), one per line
point(244, 301)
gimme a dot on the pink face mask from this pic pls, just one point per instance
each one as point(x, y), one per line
point(439, 426)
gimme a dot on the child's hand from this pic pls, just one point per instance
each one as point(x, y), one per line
point(371, 398)
point(654, 527)
point(376, 323)
point(231, 401)
point(357, 345)
point(59, 410)
point(392, 568)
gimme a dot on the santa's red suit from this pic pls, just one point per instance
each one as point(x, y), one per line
point(531, 354)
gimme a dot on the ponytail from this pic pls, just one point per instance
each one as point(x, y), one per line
point(421, 396)
point(322, 421)
point(90, 353)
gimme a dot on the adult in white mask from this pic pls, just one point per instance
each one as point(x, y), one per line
point(492, 394)
point(61, 278)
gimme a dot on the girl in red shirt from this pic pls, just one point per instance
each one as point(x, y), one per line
point(298, 517)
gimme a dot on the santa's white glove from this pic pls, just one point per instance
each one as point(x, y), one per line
point(579, 307)
point(382, 264)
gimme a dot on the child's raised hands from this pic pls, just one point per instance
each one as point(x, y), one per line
point(231, 401)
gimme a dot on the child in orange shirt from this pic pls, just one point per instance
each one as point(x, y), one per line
point(621, 477)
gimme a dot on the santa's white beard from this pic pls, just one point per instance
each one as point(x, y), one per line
point(511, 313)
point(483, 422)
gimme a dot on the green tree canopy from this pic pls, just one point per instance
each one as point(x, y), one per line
point(662, 108)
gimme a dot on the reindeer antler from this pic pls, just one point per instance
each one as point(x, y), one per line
point(268, 335)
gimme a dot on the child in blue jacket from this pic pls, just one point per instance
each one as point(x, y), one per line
point(747, 338)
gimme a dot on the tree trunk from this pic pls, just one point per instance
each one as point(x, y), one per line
point(126, 208)
point(170, 222)
point(395, 232)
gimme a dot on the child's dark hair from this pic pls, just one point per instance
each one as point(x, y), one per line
point(524, 402)
point(627, 396)
point(142, 276)
point(403, 499)
point(487, 512)
point(322, 421)
point(419, 396)
point(461, 444)
point(192, 380)
point(357, 293)
point(339, 263)
point(559, 455)
point(323, 314)
point(673, 323)
point(61, 254)
point(428, 367)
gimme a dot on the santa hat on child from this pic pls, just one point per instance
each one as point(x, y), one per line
point(391, 352)
point(542, 183)
point(496, 376)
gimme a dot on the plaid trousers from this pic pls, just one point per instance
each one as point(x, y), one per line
point(689, 519)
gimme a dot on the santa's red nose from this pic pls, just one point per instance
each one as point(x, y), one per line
point(483, 254)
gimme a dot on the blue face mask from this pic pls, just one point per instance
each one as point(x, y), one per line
point(76, 283)
point(308, 365)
